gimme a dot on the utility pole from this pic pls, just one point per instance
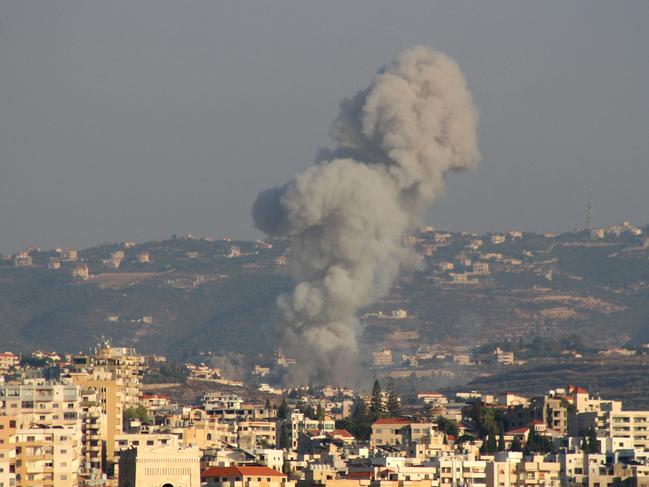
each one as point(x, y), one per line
point(589, 209)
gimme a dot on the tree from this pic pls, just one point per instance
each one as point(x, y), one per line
point(283, 410)
point(593, 444)
point(501, 441)
point(448, 426)
point(138, 412)
point(376, 402)
point(464, 438)
point(359, 411)
point(285, 436)
point(309, 412)
point(268, 405)
point(320, 413)
point(516, 444)
point(488, 422)
point(489, 445)
point(429, 409)
point(531, 443)
point(484, 418)
point(394, 405)
point(537, 443)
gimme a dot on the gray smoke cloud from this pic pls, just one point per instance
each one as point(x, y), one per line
point(345, 216)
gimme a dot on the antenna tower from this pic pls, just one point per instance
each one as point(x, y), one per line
point(589, 209)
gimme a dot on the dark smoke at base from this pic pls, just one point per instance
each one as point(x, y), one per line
point(344, 216)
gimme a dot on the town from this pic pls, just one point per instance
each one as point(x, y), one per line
point(91, 419)
point(324, 244)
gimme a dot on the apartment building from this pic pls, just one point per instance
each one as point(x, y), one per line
point(22, 259)
point(632, 426)
point(126, 441)
point(8, 360)
point(591, 413)
point(125, 364)
point(160, 466)
point(93, 431)
point(222, 404)
point(257, 433)
point(578, 467)
point(298, 424)
point(40, 402)
point(460, 470)
point(244, 476)
point(382, 358)
point(47, 456)
point(111, 399)
point(537, 472)
point(68, 255)
point(7, 451)
point(80, 272)
point(502, 471)
point(552, 411)
point(207, 433)
point(503, 357)
point(397, 431)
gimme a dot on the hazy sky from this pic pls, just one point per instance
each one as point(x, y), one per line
point(138, 119)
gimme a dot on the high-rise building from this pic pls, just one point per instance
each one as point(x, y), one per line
point(47, 456)
point(7, 450)
point(111, 401)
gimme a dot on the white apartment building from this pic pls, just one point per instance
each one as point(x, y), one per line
point(47, 456)
point(217, 402)
point(298, 423)
point(40, 402)
point(628, 425)
point(461, 470)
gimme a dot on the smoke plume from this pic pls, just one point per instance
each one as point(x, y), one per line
point(345, 216)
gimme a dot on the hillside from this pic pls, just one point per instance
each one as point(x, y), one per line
point(185, 295)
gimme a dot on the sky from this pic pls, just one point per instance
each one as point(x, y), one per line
point(139, 119)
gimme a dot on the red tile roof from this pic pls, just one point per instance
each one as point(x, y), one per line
point(241, 471)
point(363, 474)
point(343, 433)
point(392, 421)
